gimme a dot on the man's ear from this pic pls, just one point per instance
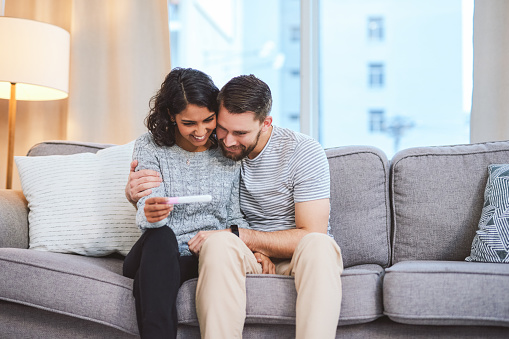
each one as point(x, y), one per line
point(267, 123)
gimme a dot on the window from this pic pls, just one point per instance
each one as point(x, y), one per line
point(227, 38)
point(376, 75)
point(376, 120)
point(375, 28)
point(420, 76)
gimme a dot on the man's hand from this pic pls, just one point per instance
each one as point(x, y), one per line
point(268, 266)
point(157, 209)
point(139, 183)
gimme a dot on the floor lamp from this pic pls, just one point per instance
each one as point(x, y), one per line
point(34, 65)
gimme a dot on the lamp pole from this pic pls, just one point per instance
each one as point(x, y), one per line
point(12, 129)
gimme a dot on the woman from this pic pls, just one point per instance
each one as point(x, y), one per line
point(181, 145)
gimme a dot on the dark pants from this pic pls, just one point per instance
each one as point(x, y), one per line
point(158, 270)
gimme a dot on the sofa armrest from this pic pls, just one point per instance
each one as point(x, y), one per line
point(13, 219)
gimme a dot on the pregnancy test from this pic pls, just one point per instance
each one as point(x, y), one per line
point(189, 199)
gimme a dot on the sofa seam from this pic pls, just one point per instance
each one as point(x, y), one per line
point(448, 272)
point(64, 272)
point(374, 315)
point(404, 316)
point(73, 315)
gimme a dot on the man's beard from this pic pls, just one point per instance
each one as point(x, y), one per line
point(244, 150)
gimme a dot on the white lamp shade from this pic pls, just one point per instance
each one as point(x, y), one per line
point(35, 56)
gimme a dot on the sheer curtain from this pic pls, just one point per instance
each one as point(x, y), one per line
point(490, 99)
point(120, 54)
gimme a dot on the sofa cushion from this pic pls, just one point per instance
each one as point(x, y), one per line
point(82, 287)
point(271, 298)
point(437, 199)
point(491, 242)
point(447, 293)
point(360, 211)
point(93, 289)
point(77, 202)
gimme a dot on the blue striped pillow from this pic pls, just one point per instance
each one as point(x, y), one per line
point(491, 242)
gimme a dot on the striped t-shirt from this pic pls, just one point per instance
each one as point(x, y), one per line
point(291, 168)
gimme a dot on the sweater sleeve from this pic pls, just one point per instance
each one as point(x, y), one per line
point(235, 216)
point(145, 152)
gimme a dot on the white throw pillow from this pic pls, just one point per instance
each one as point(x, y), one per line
point(77, 202)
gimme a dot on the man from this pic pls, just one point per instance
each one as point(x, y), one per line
point(284, 195)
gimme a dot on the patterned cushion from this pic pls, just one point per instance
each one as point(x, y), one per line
point(491, 243)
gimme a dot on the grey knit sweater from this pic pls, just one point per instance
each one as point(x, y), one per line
point(191, 173)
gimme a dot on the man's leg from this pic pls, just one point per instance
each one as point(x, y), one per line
point(221, 290)
point(317, 265)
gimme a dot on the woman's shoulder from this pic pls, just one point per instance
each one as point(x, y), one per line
point(145, 138)
point(221, 161)
point(146, 141)
point(145, 144)
point(218, 154)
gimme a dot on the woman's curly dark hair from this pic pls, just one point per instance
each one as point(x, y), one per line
point(182, 86)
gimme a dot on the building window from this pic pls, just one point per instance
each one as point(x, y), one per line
point(376, 28)
point(376, 120)
point(376, 75)
point(295, 33)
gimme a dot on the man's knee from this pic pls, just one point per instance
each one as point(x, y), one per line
point(317, 241)
point(319, 246)
point(217, 245)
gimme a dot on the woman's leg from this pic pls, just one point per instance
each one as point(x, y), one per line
point(153, 262)
point(188, 268)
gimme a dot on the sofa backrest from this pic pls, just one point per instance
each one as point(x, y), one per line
point(437, 195)
point(59, 147)
point(360, 214)
point(360, 210)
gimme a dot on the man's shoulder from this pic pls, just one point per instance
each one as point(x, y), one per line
point(290, 135)
point(296, 141)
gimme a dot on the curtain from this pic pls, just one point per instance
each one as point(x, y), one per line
point(490, 97)
point(120, 54)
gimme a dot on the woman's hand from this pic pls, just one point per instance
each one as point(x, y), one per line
point(197, 241)
point(268, 266)
point(157, 209)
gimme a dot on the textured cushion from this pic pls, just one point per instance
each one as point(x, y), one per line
point(360, 214)
point(437, 198)
point(271, 298)
point(491, 243)
point(82, 287)
point(447, 293)
point(77, 202)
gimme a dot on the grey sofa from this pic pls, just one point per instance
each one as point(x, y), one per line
point(404, 226)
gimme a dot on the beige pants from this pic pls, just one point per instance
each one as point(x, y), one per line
point(221, 292)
